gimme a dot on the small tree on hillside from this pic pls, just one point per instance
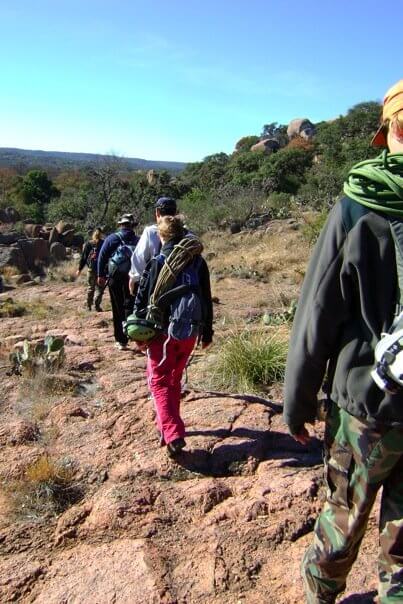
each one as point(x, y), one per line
point(33, 193)
point(276, 131)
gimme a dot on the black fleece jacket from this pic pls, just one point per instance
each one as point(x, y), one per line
point(148, 281)
point(347, 300)
point(87, 249)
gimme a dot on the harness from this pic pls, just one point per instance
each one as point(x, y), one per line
point(388, 370)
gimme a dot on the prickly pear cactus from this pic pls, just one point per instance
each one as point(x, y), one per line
point(47, 355)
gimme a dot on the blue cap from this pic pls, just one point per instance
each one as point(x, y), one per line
point(166, 203)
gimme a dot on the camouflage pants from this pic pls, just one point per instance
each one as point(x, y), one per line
point(359, 460)
point(93, 289)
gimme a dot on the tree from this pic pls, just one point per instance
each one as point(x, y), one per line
point(276, 131)
point(245, 143)
point(243, 168)
point(210, 173)
point(285, 170)
point(33, 193)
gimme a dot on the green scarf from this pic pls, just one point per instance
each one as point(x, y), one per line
point(378, 183)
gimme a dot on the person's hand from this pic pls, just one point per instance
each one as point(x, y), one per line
point(133, 286)
point(205, 345)
point(142, 346)
point(101, 281)
point(302, 436)
point(78, 272)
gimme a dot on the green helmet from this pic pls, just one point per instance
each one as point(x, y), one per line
point(139, 330)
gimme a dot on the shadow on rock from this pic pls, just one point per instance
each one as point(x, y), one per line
point(246, 398)
point(231, 458)
point(367, 598)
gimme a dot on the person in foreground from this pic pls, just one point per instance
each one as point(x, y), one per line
point(349, 298)
point(113, 270)
point(89, 258)
point(186, 319)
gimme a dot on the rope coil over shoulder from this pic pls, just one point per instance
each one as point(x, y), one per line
point(378, 183)
point(181, 255)
point(144, 330)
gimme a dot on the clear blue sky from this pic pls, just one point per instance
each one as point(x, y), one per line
point(182, 79)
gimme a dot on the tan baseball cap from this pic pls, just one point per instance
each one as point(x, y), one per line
point(392, 105)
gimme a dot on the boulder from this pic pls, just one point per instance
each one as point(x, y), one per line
point(301, 127)
point(10, 238)
point(54, 236)
point(77, 242)
point(151, 177)
point(67, 237)
point(20, 279)
point(36, 252)
point(58, 251)
point(33, 230)
point(235, 227)
point(9, 215)
point(268, 145)
point(13, 256)
point(62, 227)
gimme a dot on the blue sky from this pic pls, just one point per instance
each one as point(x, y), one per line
point(182, 79)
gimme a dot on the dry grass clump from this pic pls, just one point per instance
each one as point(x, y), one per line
point(65, 272)
point(37, 309)
point(9, 271)
point(46, 489)
point(11, 308)
point(40, 392)
point(258, 253)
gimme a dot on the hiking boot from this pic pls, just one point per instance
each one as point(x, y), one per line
point(175, 447)
point(98, 309)
point(120, 346)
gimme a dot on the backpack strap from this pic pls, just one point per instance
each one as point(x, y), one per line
point(174, 293)
point(396, 228)
point(122, 241)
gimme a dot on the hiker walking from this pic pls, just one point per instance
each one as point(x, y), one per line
point(89, 258)
point(352, 294)
point(113, 270)
point(149, 244)
point(185, 317)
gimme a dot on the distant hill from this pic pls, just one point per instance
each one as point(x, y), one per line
point(59, 160)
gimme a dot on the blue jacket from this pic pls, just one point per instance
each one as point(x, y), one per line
point(111, 244)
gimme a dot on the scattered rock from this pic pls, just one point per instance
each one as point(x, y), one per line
point(74, 339)
point(58, 251)
point(18, 432)
point(13, 256)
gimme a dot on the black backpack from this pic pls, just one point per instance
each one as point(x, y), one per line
point(120, 261)
point(92, 258)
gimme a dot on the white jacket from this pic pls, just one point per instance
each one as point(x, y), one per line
point(149, 245)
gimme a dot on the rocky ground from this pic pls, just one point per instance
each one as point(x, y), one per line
point(227, 523)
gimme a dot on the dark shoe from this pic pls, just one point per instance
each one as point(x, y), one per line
point(98, 309)
point(176, 446)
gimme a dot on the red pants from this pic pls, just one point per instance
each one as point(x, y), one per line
point(164, 379)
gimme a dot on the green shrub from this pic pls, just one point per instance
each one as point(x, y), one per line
point(249, 362)
point(280, 205)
